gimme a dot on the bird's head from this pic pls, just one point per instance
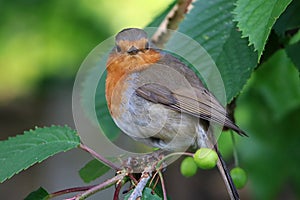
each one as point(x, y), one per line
point(132, 41)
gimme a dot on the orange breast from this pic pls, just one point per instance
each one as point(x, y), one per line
point(119, 66)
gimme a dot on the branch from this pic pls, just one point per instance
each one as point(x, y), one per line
point(117, 191)
point(99, 187)
point(172, 20)
point(70, 190)
point(163, 185)
point(140, 163)
point(138, 190)
point(99, 157)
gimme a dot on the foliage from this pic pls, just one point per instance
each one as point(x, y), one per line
point(217, 33)
point(92, 170)
point(269, 111)
point(256, 18)
point(20, 152)
point(39, 194)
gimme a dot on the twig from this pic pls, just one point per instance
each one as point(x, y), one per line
point(235, 154)
point(99, 157)
point(183, 6)
point(155, 184)
point(99, 187)
point(140, 163)
point(153, 177)
point(117, 191)
point(71, 190)
point(138, 190)
point(171, 21)
point(133, 179)
point(163, 185)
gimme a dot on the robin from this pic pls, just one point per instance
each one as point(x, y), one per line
point(155, 98)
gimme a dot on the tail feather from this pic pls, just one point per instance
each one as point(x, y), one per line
point(234, 195)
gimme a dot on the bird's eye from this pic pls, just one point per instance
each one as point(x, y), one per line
point(147, 45)
point(118, 48)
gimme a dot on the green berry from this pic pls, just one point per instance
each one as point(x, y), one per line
point(188, 167)
point(239, 177)
point(206, 158)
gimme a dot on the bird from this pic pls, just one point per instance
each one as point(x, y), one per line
point(156, 99)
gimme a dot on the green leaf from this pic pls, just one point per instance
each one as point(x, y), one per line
point(20, 152)
point(147, 195)
point(293, 52)
point(210, 23)
point(256, 18)
point(92, 170)
point(282, 95)
point(39, 194)
point(269, 111)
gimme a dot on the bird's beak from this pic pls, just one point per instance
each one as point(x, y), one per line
point(133, 50)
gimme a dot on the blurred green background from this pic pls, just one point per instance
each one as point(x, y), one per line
point(43, 40)
point(43, 43)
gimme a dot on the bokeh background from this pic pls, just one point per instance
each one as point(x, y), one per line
point(43, 43)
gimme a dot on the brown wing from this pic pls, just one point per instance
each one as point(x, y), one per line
point(205, 106)
point(198, 101)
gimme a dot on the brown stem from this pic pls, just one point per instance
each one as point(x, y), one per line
point(155, 184)
point(117, 191)
point(99, 157)
point(235, 154)
point(153, 177)
point(172, 20)
point(179, 14)
point(101, 186)
point(163, 185)
point(133, 178)
point(71, 190)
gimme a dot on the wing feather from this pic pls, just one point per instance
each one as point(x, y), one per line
point(198, 103)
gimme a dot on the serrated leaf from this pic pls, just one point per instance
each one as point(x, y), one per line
point(39, 194)
point(147, 195)
point(20, 152)
point(293, 52)
point(210, 24)
point(256, 18)
point(93, 170)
